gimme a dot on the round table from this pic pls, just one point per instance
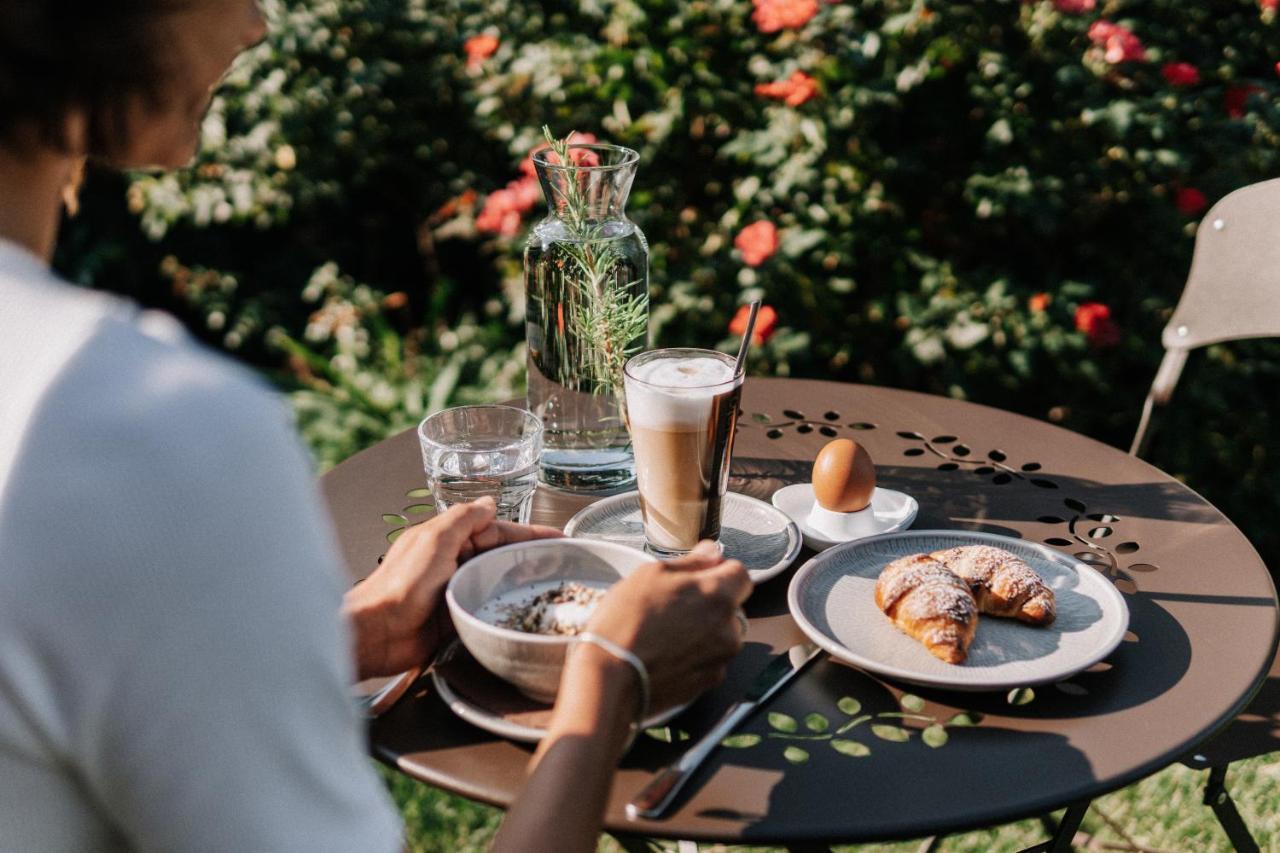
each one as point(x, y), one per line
point(1202, 634)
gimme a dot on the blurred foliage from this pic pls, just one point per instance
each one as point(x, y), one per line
point(950, 184)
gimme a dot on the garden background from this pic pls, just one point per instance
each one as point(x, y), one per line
point(993, 200)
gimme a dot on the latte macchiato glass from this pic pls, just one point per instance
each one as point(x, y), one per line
point(682, 406)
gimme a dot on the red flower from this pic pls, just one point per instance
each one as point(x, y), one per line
point(1237, 97)
point(1118, 43)
point(504, 209)
point(479, 48)
point(1268, 5)
point(793, 91)
point(1278, 63)
point(1039, 302)
point(1094, 319)
point(766, 323)
point(1074, 7)
point(579, 156)
point(1190, 201)
point(1180, 73)
point(757, 242)
point(773, 15)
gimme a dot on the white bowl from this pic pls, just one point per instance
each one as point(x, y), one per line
point(531, 662)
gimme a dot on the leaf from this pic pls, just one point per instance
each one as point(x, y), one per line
point(849, 705)
point(742, 741)
point(897, 734)
point(911, 702)
point(659, 733)
point(934, 736)
point(795, 755)
point(761, 418)
point(782, 722)
point(966, 718)
point(418, 493)
point(392, 518)
point(816, 723)
point(419, 509)
point(1021, 696)
point(851, 748)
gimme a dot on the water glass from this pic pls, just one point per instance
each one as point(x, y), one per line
point(469, 452)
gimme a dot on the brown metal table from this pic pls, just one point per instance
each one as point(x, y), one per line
point(1202, 635)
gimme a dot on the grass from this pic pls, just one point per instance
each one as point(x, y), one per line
point(1161, 813)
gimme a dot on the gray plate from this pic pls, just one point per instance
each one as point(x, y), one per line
point(832, 598)
point(763, 538)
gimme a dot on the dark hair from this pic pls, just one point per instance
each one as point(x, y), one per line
point(94, 55)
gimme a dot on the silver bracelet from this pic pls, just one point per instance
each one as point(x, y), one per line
point(642, 675)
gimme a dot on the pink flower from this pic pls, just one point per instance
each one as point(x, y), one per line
point(766, 323)
point(500, 214)
point(525, 193)
point(793, 91)
point(773, 15)
point(1180, 73)
point(1118, 43)
point(1237, 97)
point(1074, 7)
point(1039, 302)
point(757, 242)
point(1094, 319)
point(504, 209)
point(479, 48)
point(579, 156)
point(1190, 201)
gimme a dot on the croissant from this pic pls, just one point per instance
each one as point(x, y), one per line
point(930, 604)
point(1002, 584)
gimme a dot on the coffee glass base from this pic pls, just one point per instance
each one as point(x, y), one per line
point(663, 553)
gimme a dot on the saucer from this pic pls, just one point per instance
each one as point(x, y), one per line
point(892, 511)
point(487, 702)
point(764, 539)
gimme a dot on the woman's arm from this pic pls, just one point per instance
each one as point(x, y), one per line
point(679, 619)
point(572, 771)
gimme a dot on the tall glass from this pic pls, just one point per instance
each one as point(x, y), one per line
point(586, 273)
point(470, 452)
point(682, 408)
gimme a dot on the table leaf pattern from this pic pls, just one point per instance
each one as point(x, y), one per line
point(891, 727)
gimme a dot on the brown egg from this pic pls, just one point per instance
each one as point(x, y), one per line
point(843, 477)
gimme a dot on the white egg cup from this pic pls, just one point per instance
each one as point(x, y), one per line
point(842, 526)
point(889, 512)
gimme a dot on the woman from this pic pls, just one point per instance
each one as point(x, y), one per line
point(173, 673)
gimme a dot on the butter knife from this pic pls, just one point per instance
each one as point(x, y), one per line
point(653, 801)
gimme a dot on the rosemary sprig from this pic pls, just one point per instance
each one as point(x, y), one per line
point(608, 321)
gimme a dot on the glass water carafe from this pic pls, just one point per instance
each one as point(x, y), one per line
point(586, 272)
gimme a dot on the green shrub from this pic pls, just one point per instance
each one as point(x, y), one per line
point(994, 200)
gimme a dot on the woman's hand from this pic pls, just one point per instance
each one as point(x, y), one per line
point(397, 612)
point(680, 618)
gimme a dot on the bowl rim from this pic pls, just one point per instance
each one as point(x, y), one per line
point(458, 612)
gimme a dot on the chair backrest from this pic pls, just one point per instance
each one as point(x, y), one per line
point(1232, 291)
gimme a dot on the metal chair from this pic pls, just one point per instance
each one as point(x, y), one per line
point(1232, 293)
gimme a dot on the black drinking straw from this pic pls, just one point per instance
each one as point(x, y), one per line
point(739, 366)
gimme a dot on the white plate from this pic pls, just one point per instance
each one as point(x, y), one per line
point(892, 511)
point(764, 539)
point(485, 718)
point(832, 598)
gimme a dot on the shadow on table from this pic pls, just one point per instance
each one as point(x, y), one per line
point(857, 763)
point(977, 502)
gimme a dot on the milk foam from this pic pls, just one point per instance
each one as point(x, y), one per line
point(677, 392)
